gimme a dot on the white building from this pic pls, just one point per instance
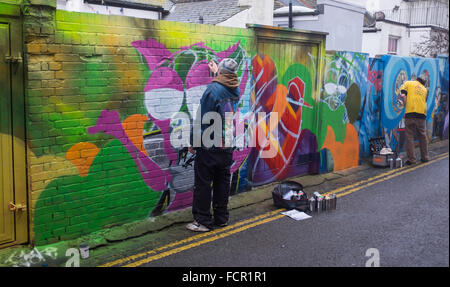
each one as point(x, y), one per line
point(258, 12)
point(232, 13)
point(399, 26)
point(147, 9)
point(341, 19)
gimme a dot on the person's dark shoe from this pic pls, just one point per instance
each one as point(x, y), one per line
point(424, 160)
point(221, 224)
point(409, 163)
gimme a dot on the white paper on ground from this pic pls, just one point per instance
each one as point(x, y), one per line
point(295, 214)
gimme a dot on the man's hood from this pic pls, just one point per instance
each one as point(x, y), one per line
point(231, 82)
point(228, 80)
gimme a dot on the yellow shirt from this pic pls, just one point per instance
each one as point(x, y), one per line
point(416, 99)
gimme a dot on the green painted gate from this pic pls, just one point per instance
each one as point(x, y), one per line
point(13, 187)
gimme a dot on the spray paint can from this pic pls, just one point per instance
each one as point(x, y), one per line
point(84, 250)
point(327, 202)
point(333, 200)
point(319, 204)
point(391, 162)
point(398, 162)
point(312, 204)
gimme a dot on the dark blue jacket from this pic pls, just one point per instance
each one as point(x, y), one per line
point(215, 99)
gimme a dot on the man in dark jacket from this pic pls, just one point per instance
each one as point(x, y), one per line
point(214, 156)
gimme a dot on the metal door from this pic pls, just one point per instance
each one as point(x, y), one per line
point(7, 230)
point(13, 180)
point(290, 62)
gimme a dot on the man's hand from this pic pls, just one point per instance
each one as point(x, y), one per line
point(402, 100)
point(213, 66)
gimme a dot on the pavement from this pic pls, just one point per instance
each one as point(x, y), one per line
point(396, 217)
point(405, 219)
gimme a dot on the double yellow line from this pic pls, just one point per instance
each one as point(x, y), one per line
point(203, 238)
point(381, 177)
point(214, 235)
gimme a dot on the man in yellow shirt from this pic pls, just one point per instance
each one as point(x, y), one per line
point(415, 95)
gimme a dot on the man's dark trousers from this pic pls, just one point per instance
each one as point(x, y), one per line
point(212, 173)
point(420, 126)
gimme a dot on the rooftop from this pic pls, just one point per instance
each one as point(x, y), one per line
point(166, 4)
point(212, 11)
point(306, 3)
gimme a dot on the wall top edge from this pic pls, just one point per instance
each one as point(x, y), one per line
point(49, 3)
point(139, 23)
point(286, 30)
point(9, 9)
point(346, 51)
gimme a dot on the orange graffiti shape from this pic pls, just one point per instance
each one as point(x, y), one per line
point(133, 127)
point(345, 155)
point(82, 155)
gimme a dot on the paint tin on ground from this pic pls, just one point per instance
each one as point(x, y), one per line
point(319, 204)
point(333, 201)
point(398, 162)
point(391, 163)
point(312, 204)
point(84, 250)
point(327, 202)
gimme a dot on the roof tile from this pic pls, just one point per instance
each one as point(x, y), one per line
point(212, 11)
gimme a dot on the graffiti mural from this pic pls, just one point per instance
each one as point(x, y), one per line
point(397, 70)
point(345, 83)
point(288, 96)
point(439, 125)
point(103, 109)
point(343, 104)
point(176, 85)
point(369, 119)
point(140, 156)
point(35, 257)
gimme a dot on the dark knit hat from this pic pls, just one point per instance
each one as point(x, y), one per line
point(228, 66)
point(421, 80)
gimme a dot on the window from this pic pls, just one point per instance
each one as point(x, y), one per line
point(393, 44)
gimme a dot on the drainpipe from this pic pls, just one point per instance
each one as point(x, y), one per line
point(290, 15)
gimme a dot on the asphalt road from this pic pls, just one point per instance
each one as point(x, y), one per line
point(406, 218)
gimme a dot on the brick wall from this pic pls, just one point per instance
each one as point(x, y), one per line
point(87, 102)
